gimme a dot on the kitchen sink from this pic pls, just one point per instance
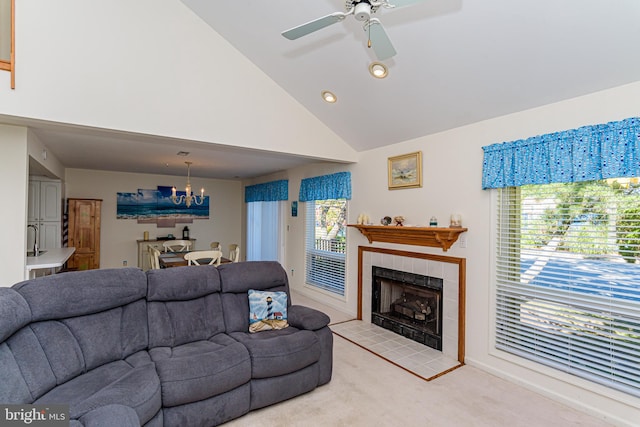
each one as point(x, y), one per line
point(30, 253)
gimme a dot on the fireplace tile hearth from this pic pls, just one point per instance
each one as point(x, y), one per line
point(417, 358)
point(446, 268)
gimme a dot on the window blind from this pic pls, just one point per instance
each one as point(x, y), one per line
point(325, 245)
point(567, 288)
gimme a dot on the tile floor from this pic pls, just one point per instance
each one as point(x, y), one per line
point(417, 358)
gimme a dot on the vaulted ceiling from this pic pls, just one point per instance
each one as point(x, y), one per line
point(457, 62)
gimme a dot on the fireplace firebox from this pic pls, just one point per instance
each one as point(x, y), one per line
point(408, 304)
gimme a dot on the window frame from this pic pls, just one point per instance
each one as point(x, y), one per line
point(339, 258)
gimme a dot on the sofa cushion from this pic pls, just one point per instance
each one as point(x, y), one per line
point(261, 275)
point(279, 352)
point(182, 283)
point(267, 310)
point(14, 312)
point(132, 382)
point(201, 369)
point(236, 280)
point(79, 293)
point(110, 416)
point(184, 308)
point(48, 353)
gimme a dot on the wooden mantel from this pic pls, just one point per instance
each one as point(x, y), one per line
point(437, 237)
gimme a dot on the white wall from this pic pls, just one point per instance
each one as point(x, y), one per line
point(118, 236)
point(14, 170)
point(152, 67)
point(452, 167)
point(43, 156)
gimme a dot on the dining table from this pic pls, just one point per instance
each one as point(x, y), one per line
point(176, 259)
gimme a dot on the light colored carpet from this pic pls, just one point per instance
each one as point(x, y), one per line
point(368, 391)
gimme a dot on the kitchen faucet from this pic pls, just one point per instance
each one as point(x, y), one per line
point(35, 239)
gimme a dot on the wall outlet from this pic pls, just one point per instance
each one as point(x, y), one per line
point(124, 263)
point(462, 240)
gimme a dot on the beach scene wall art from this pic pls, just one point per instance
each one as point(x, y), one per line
point(154, 206)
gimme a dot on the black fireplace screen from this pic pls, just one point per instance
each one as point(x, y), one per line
point(408, 304)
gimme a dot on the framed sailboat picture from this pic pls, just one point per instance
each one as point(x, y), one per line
point(405, 171)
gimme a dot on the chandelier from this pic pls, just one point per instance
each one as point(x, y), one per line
point(188, 198)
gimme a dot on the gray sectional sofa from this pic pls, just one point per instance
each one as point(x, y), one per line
point(168, 347)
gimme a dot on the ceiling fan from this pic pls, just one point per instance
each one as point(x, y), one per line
point(362, 11)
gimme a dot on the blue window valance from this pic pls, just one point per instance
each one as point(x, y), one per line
point(267, 192)
point(609, 150)
point(325, 187)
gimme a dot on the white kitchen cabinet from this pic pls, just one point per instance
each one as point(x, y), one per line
point(45, 211)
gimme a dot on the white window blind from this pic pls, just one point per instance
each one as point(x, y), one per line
point(568, 278)
point(326, 244)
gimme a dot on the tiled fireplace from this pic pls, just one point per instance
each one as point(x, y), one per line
point(433, 314)
point(408, 304)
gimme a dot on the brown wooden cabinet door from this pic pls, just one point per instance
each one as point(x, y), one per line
point(84, 233)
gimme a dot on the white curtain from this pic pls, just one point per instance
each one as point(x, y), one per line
point(264, 231)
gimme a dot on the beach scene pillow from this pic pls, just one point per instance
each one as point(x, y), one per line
point(267, 310)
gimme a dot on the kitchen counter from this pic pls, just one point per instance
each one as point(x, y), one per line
point(52, 258)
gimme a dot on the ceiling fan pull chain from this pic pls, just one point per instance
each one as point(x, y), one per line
point(369, 34)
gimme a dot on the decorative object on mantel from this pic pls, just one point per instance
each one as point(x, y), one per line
point(398, 220)
point(437, 237)
point(386, 220)
point(433, 222)
point(405, 171)
point(187, 198)
point(363, 219)
point(455, 221)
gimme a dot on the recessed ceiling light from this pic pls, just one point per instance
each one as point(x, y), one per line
point(378, 70)
point(329, 97)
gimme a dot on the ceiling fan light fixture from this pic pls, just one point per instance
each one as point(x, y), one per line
point(329, 97)
point(378, 70)
point(362, 11)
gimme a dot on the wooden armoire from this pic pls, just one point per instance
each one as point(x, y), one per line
point(84, 233)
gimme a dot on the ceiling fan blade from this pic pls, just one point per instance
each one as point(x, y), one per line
point(379, 41)
point(401, 3)
point(315, 25)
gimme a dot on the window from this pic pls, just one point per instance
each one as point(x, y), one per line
point(264, 231)
point(567, 268)
point(7, 35)
point(326, 244)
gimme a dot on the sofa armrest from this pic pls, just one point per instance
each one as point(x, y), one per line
point(302, 317)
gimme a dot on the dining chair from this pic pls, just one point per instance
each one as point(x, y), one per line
point(216, 246)
point(234, 252)
point(213, 257)
point(154, 257)
point(181, 245)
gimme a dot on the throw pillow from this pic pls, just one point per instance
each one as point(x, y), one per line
point(267, 310)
